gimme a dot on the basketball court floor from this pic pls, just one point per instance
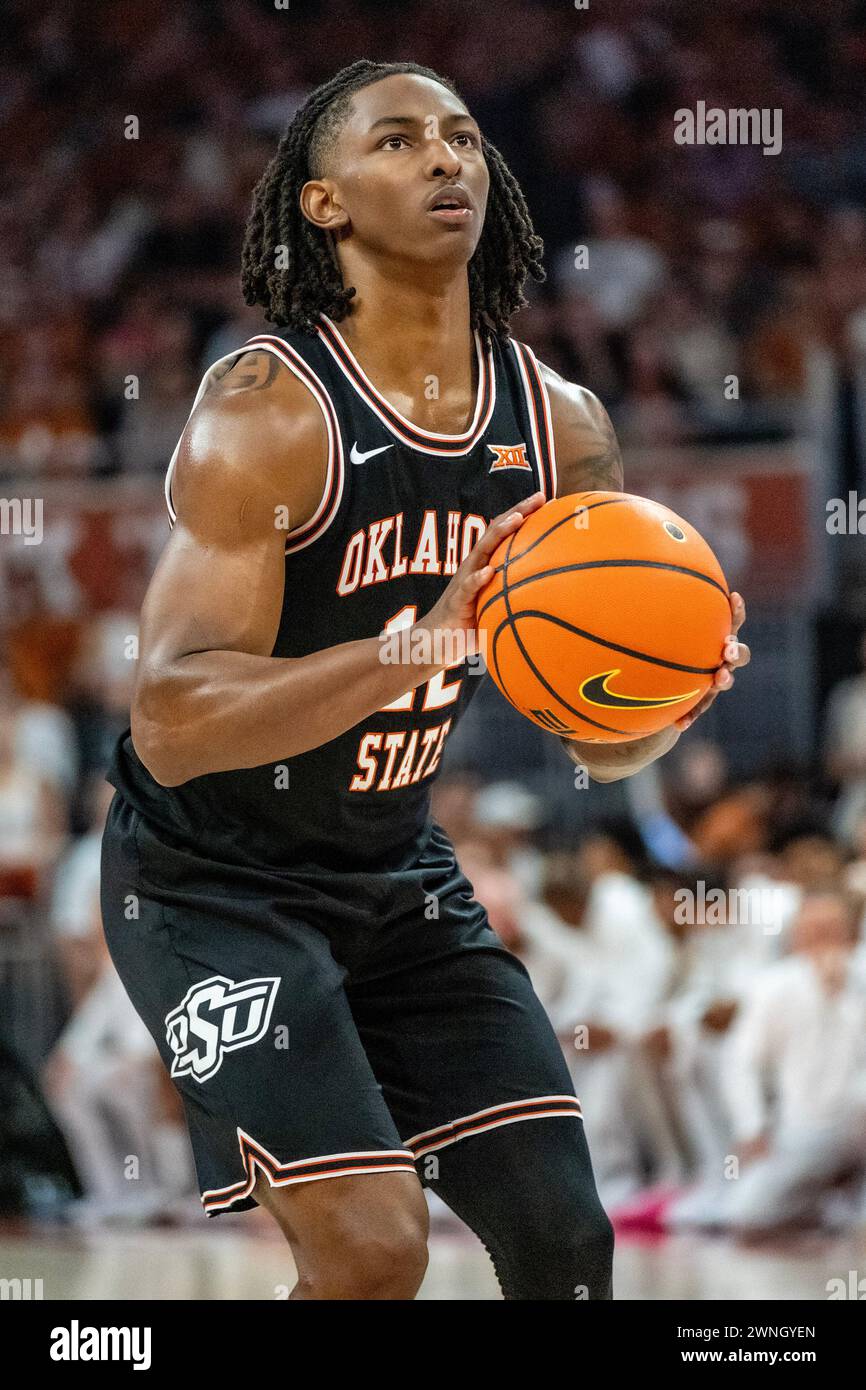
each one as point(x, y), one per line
point(238, 1258)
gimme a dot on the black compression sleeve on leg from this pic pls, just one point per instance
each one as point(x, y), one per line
point(527, 1191)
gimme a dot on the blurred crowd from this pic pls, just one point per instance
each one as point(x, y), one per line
point(134, 139)
point(719, 1050)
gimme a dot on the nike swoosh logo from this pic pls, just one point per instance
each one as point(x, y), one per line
point(357, 457)
point(596, 691)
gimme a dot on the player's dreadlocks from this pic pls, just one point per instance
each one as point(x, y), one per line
point(289, 266)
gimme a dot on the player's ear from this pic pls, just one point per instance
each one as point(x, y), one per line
point(321, 206)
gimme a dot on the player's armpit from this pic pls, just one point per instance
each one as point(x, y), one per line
point(588, 456)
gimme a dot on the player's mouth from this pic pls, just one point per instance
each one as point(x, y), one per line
point(451, 205)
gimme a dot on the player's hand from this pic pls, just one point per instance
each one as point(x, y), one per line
point(736, 654)
point(609, 762)
point(455, 610)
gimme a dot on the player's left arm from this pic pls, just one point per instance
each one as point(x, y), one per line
point(588, 459)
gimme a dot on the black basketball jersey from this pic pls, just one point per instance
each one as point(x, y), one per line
point(402, 507)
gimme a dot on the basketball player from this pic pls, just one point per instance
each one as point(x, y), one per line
point(340, 1020)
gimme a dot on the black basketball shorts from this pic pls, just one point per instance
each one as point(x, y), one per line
point(318, 1024)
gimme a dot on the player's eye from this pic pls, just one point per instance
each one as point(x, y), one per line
point(465, 135)
point(393, 142)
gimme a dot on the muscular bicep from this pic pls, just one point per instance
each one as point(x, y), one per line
point(213, 595)
point(250, 469)
point(588, 456)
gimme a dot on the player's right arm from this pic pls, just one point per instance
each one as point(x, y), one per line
point(209, 696)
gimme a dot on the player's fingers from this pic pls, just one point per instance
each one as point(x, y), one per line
point(529, 504)
point(736, 653)
point(738, 612)
point(458, 603)
point(499, 528)
point(493, 536)
point(699, 709)
point(722, 680)
point(476, 580)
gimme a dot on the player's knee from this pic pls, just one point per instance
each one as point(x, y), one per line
point(591, 1253)
point(564, 1252)
point(582, 1238)
point(389, 1265)
point(359, 1239)
point(385, 1257)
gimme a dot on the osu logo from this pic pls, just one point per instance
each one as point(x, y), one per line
point(217, 1016)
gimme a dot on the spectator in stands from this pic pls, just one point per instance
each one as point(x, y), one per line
point(507, 817)
point(32, 817)
point(712, 973)
point(103, 1081)
point(453, 804)
point(845, 747)
point(616, 973)
point(77, 932)
point(795, 1085)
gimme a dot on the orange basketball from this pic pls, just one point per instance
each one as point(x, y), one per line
point(606, 617)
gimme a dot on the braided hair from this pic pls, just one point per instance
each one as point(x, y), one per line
point(289, 266)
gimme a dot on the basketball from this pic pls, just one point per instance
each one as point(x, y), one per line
point(606, 617)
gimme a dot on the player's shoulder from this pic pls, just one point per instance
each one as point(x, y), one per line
point(254, 388)
point(252, 407)
point(570, 401)
point(256, 421)
point(587, 452)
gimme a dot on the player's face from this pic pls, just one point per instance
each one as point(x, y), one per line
point(407, 178)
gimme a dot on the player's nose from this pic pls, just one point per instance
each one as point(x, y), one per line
point(442, 159)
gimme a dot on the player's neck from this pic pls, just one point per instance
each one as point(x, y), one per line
point(403, 334)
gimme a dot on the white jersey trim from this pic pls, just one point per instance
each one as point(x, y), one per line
point(493, 1117)
point(547, 416)
point(255, 1157)
point(440, 445)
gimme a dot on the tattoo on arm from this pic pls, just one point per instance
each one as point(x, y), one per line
point(601, 466)
point(254, 371)
point(591, 459)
